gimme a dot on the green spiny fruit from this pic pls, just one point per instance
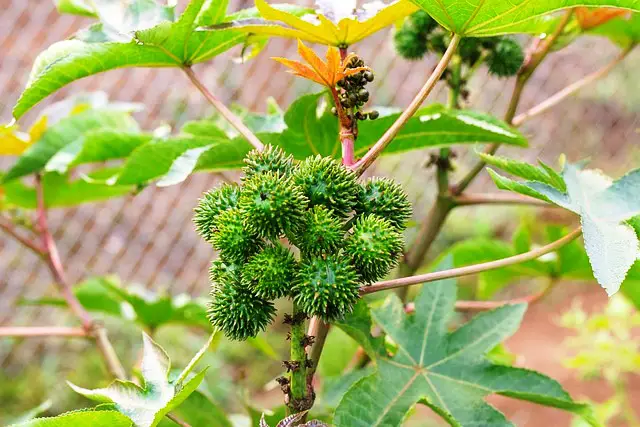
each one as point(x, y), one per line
point(232, 238)
point(326, 287)
point(422, 21)
point(326, 182)
point(221, 271)
point(438, 42)
point(374, 245)
point(269, 273)
point(385, 198)
point(410, 43)
point(271, 204)
point(270, 159)
point(238, 312)
point(506, 58)
point(212, 204)
point(321, 232)
point(469, 50)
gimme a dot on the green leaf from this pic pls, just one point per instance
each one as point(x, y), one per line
point(623, 30)
point(447, 371)
point(61, 191)
point(479, 250)
point(146, 405)
point(149, 309)
point(604, 206)
point(93, 51)
point(86, 418)
point(312, 129)
point(481, 18)
point(358, 326)
point(33, 413)
point(200, 410)
point(66, 137)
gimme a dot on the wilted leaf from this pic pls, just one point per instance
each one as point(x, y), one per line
point(146, 405)
point(447, 371)
point(603, 205)
point(337, 23)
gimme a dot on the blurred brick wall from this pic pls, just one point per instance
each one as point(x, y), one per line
point(149, 238)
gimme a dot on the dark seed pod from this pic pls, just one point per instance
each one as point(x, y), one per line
point(269, 273)
point(321, 232)
point(360, 116)
point(374, 114)
point(271, 159)
point(211, 205)
point(368, 76)
point(238, 312)
point(374, 246)
point(271, 204)
point(385, 198)
point(326, 182)
point(363, 95)
point(506, 58)
point(233, 240)
point(326, 287)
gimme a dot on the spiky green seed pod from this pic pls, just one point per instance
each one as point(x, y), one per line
point(270, 159)
point(410, 43)
point(211, 205)
point(422, 21)
point(271, 204)
point(221, 271)
point(270, 273)
point(232, 238)
point(385, 198)
point(506, 58)
point(326, 182)
point(326, 287)
point(438, 42)
point(238, 312)
point(374, 246)
point(320, 233)
point(470, 50)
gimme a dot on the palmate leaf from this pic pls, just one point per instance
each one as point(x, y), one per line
point(82, 418)
point(447, 371)
point(146, 405)
point(337, 23)
point(482, 18)
point(165, 43)
point(604, 207)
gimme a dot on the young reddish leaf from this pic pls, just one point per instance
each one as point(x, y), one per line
point(589, 18)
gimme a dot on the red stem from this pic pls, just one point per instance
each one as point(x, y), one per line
point(10, 228)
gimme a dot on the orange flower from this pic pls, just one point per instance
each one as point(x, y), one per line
point(589, 17)
point(325, 73)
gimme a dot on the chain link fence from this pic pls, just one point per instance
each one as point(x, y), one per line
point(149, 239)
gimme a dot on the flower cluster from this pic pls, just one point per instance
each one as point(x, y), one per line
point(307, 231)
point(354, 94)
point(421, 34)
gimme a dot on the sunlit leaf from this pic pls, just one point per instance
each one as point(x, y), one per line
point(481, 18)
point(146, 405)
point(447, 371)
point(604, 206)
point(623, 30)
point(82, 418)
point(589, 18)
point(337, 23)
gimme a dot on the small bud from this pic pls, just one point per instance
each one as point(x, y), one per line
point(334, 111)
point(360, 116)
point(374, 114)
point(368, 75)
point(363, 95)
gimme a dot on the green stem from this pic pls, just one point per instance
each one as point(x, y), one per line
point(300, 398)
